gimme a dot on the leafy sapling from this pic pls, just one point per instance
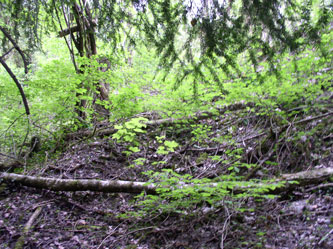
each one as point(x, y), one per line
point(127, 133)
point(200, 132)
point(165, 146)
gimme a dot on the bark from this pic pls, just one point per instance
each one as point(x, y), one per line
point(68, 31)
point(56, 184)
point(12, 75)
point(83, 35)
point(112, 186)
point(18, 49)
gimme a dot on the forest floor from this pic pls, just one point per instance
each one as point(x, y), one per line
point(299, 218)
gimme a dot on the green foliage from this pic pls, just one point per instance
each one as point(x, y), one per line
point(138, 162)
point(300, 82)
point(182, 193)
point(126, 101)
point(127, 133)
point(165, 146)
point(216, 57)
point(49, 88)
point(200, 132)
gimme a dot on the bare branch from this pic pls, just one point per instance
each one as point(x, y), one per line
point(68, 31)
point(16, 47)
point(12, 75)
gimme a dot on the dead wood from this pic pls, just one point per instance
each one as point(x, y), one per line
point(203, 115)
point(68, 31)
point(72, 30)
point(303, 178)
point(167, 121)
point(57, 184)
point(20, 242)
point(11, 164)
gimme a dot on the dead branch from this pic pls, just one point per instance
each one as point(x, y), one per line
point(11, 164)
point(12, 75)
point(203, 115)
point(25, 62)
point(310, 176)
point(20, 242)
point(166, 121)
point(303, 178)
point(74, 29)
point(306, 120)
point(68, 31)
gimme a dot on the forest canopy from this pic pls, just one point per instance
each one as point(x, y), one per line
point(192, 33)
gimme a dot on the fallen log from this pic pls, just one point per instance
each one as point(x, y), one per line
point(203, 115)
point(57, 184)
point(197, 116)
point(114, 186)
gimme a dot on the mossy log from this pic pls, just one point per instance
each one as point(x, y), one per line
point(112, 186)
point(57, 184)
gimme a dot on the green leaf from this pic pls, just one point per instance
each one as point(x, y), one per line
point(134, 149)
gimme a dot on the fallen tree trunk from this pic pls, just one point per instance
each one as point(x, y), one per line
point(203, 115)
point(197, 116)
point(56, 184)
point(303, 178)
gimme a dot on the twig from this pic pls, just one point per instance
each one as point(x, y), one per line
point(314, 118)
point(112, 232)
point(217, 149)
point(20, 242)
point(4, 31)
point(8, 52)
point(325, 237)
point(320, 186)
point(12, 124)
point(225, 229)
point(12, 157)
point(13, 76)
point(258, 166)
point(84, 138)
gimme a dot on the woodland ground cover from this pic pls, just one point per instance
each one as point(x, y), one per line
point(242, 161)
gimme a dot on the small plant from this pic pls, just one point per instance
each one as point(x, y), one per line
point(200, 132)
point(224, 139)
point(182, 193)
point(127, 101)
point(138, 162)
point(127, 133)
point(166, 146)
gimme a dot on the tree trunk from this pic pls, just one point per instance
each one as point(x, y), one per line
point(83, 35)
point(303, 179)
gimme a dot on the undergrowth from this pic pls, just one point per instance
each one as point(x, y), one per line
point(301, 87)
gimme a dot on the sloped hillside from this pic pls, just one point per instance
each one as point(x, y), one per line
point(216, 184)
